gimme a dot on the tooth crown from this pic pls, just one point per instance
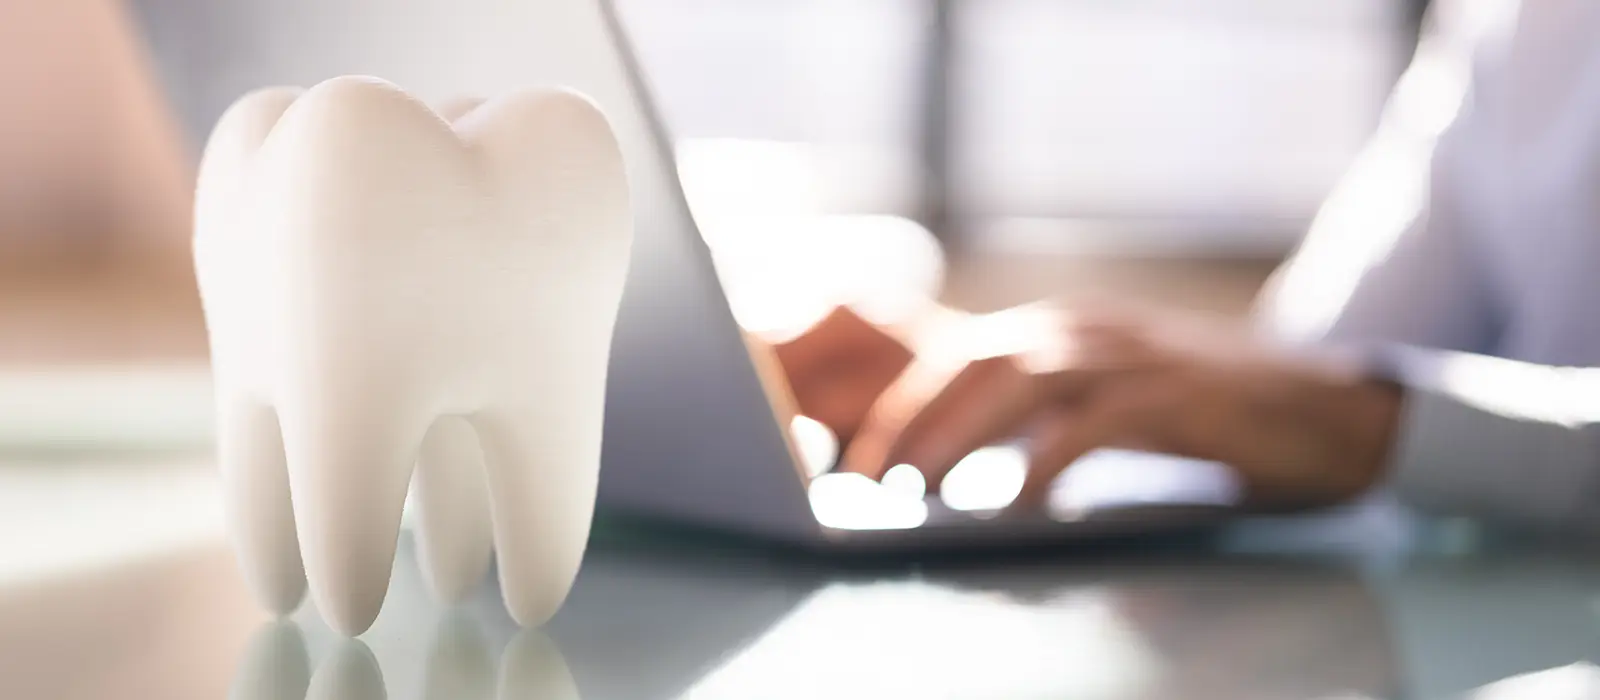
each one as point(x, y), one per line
point(367, 268)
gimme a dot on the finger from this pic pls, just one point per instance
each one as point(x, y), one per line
point(1058, 444)
point(1125, 413)
point(934, 415)
point(987, 402)
point(984, 402)
point(838, 369)
point(867, 452)
point(842, 397)
point(1094, 348)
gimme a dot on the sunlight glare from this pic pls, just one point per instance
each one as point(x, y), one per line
point(906, 480)
point(923, 640)
point(988, 479)
point(853, 502)
point(1579, 681)
point(783, 263)
point(816, 444)
point(1380, 197)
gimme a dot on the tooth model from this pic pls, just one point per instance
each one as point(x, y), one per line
point(386, 290)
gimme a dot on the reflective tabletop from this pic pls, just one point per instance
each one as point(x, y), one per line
point(116, 583)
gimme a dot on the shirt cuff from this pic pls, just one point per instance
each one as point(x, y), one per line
point(1485, 437)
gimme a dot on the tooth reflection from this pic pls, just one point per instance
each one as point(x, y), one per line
point(459, 666)
point(351, 674)
point(532, 667)
point(275, 665)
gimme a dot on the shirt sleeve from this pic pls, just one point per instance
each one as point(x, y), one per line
point(1488, 437)
point(1390, 255)
point(1390, 268)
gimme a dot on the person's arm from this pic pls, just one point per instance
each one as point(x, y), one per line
point(1390, 263)
point(1389, 269)
point(1477, 436)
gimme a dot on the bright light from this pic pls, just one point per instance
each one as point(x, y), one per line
point(1380, 197)
point(1030, 332)
point(103, 512)
point(923, 640)
point(750, 200)
point(1564, 394)
point(1357, 228)
point(785, 274)
point(1579, 680)
point(783, 263)
point(991, 478)
point(854, 502)
point(816, 444)
point(890, 268)
point(905, 480)
point(987, 479)
point(772, 279)
point(1107, 478)
point(731, 181)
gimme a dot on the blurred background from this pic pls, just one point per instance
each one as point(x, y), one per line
point(1164, 150)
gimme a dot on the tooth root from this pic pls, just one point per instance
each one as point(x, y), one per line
point(351, 673)
point(350, 452)
point(261, 516)
point(454, 540)
point(275, 665)
point(532, 667)
point(543, 465)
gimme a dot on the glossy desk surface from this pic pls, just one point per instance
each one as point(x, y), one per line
point(115, 583)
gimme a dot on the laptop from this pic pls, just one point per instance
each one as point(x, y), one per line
point(700, 428)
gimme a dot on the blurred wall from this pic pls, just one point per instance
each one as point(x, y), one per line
point(91, 165)
point(1197, 126)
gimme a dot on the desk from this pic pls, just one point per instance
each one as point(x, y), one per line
point(136, 596)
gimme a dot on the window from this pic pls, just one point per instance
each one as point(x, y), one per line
point(1155, 124)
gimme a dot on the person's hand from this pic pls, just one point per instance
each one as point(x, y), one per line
point(839, 367)
point(1299, 432)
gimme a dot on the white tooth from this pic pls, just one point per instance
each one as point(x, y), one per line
point(367, 269)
